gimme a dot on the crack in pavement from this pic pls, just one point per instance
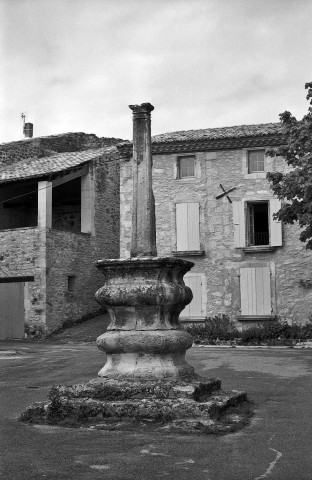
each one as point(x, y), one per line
point(273, 463)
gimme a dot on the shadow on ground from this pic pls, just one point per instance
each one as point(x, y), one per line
point(87, 331)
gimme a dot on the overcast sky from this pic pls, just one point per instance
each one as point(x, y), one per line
point(76, 65)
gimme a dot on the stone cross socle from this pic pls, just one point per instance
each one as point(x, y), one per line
point(146, 377)
point(143, 242)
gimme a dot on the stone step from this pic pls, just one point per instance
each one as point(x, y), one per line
point(178, 412)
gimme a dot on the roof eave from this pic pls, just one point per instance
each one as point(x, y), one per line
point(207, 145)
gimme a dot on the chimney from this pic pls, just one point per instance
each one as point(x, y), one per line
point(28, 130)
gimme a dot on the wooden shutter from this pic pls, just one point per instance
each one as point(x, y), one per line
point(239, 224)
point(187, 224)
point(275, 225)
point(194, 309)
point(255, 291)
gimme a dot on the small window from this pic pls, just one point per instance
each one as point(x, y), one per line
point(71, 285)
point(186, 167)
point(255, 161)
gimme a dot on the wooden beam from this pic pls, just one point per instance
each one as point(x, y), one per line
point(17, 279)
point(71, 176)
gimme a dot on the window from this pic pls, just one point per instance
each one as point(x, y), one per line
point(186, 167)
point(254, 225)
point(255, 161)
point(255, 291)
point(187, 226)
point(71, 285)
point(258, 224)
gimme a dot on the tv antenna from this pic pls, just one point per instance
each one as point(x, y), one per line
point(27, 127)
point(23, 116)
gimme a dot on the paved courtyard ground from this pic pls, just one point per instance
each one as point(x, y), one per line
point(276, 446)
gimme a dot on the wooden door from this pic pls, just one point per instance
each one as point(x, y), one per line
point(11, 310)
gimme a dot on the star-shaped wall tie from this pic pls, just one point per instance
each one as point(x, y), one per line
point(225, 193)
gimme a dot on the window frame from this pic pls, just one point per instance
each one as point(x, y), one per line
point(176, 170)
point(248, 206)
point(240, 225)
point(179, 169)
point(249, 152)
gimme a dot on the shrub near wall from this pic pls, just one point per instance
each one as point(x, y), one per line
point(221, 329)
point(217, 328)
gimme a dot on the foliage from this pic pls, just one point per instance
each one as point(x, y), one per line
point(270, 332)
point(219, 327)
point(295, 187)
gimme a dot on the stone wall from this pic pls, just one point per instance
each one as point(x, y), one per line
point(22, 254)
point(289, 264)
point(51, 256)
point(74, 254)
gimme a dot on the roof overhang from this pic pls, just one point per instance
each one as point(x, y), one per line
point(160, 148)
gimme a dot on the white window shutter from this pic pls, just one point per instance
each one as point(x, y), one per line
point(181, 222)
point(275, 225)
point(239, 224)
point(255, 291)
point(187, 224)
point(193, 226)
point(194, 309)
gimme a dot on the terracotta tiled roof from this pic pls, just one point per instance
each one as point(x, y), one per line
point(211, 139)
point(239, 131)
point(40, 167)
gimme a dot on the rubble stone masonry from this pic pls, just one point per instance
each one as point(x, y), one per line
point(74, 254)
point(51, 256)
point(22, 254)
point(290, 264)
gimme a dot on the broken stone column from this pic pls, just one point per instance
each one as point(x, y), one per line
point(144, 295)
point(143, 242)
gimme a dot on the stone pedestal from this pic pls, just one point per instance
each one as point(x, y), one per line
point(144, 297)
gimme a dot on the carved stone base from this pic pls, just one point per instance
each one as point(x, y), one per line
point(190, 407)
point(144, 297)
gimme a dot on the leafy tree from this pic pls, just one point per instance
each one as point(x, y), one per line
point(295, 187)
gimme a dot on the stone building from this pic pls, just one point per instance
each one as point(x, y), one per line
point(59, 213)
point(247, 265)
